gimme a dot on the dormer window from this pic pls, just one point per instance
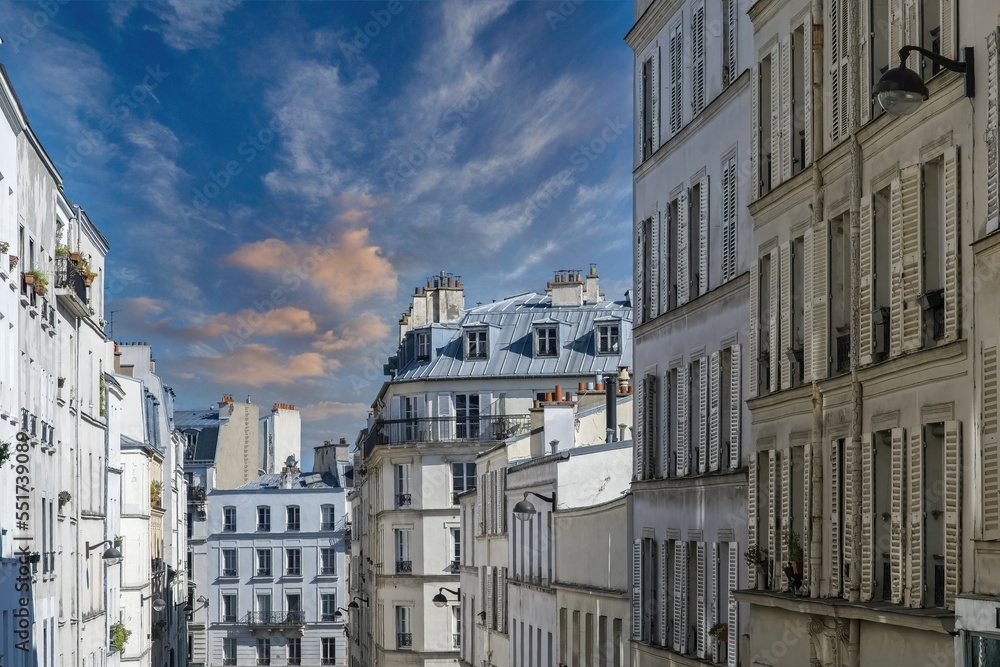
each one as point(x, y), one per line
point(477, 344)
point(546, 341)
point(608, 336)
point(423, 346)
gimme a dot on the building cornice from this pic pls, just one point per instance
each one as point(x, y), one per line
point(591, 590)
point(762, 11)
point(736, 477)
point(693, 307)
point(657, 14)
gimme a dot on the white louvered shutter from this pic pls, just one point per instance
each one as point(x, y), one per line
point(480, 502)
point(911, 27)
point(807, 101)
point(702, 441)
point(501, 598)
point(703, 229)
point(952, 246)
point(948, 22)
point(865, 303)
point(734, 607)
point(787, 108)
point(909, 179)
point(807, 305)
point(754, 357)
point(483, 588)
point(676, 77)
point(806, 509)
point(896, 33)
point(712, 593)
point(664, 591)
point(821, 302)
point(993, 131)
point(785, 457)
point(680, 595)
point(732, 219)
point(731, 34)
point(637, 590)
point(639, 430)
point(755, 132)
point(867, 518)
point(896, 299)
point(502, 502)
point(683, 252)
point(735, 404)
point(639, 118)
point(726, 217)
point(490, 604)
point(656, 98)
point(776, 126)
point(915, 548)
point(683, 445)
point(785, 316)
point(654, 266)
point(666, 426)
point(991, 440)
point(701, 603)
point(851, 509)
point(773, 539)
point(713, 406)
point(775, 334)
point(752, 528)
point(698, 59)
point(838, 83)
point(640, 277)
point(952, 512)
point(836, 568)
point(864, 63)
point(488, 520)
point(896, 504)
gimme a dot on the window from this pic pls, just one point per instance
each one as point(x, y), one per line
point(467, 416)
point(879, 57)
point(229, 650)
point(647, 280)
point(456, 546)
point(882, 506)
point(293, 605)
point(263, 519)
point(229, 519)
point(675, 209)
point(292, 518)
point(263, 562)
point(730, 216)
point(840, 297)
point(264, 606)
point(698, 239)
point(696, 414)
point(229, 607)
point(329, 520)
point(764, 320)
point(456, 627)
point(546, 341)
point(402, 541)
point(463, 478)
point(423, 346)
point(796, 314)
point(676, 76)
point(767, 114)
point(933, 245)
point(798, 101)
point(404, 640)
point(329, 647)
point(608, 336)
point(327, 606)
point(402, 477)
point(650, 591)
point(294, 651)
point(729, 17)
point(881, 275)
point(327, 560)
point(646, 122)
point(263, 650)
point(293, 562)
point(229, 563)
point(477, 344)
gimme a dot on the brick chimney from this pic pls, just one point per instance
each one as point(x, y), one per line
point(442, 299)
point(566, 289)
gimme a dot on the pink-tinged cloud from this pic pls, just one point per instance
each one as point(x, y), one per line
point(354, 217)
point(141, 306)
point(326, 409)
point(287, 320)
point(349, 271)
point(257, 365)
point(361, 332)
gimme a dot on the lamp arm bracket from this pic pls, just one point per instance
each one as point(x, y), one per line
point(947, 63)
point(548, 499)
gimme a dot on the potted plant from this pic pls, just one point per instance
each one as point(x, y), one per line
point(64, 498)
point(62, 250)
point(155, 489)
point(4, 453)
point(13, 262)
point(119, 635)
point(756, 556)
point(37, 279)
point(793, 549)
point(4, 246)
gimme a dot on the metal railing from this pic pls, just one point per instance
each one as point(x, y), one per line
point(196, 492)
point(404, 499)
point(328, 525)
point(844, 353)
point(404, 566)
point(230, 572)
point(275, 618)
point(485, 428)
point(404, 639)
point(328, 570)
point(456, 640)
point(455, 566)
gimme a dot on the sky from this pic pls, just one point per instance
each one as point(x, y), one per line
point(275, 178)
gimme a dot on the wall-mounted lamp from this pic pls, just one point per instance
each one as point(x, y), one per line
point(158, 603)
point(354, 603)
point(440, 600)
point(524, 510)
point(339, 614)
point(111, 555)
point(901, 91)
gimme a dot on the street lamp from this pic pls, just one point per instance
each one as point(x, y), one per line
point(354, 603)
point(158, 603)
point(111, 555)
point(901, 91)
point(337, 615)
point(524, 510)
point(440, 600)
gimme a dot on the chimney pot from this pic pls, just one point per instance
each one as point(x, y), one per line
point(558, 393)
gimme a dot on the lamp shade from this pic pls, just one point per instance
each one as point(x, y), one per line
point(354, 605)
point(439, 600)
point(900, 91)
point(524, 510)
point(112, 556)
point(159, 604)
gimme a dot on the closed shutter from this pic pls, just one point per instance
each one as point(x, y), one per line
point(912, 31)
point(731, 36)
point(713, 408)
point(680, 595)
point(734, 217)
point(752, 532)
point(683, 445)
point(735, 404)
point(836, 568)
point(776, 126)
point(952, 512)
point(683, 252)
point(952, 246)
point(664, 591)
point(864, 61)
point(676, 77)
point(734, 606)
point(807, 305)
point(702, 441)
point(865, 304)
point(726, 217)
point(807, 101)
point(639, 118)
point(480, 502)
point(821, 302)
point(773, 540)
point(909, 179)
point(897, 499)
point(851, 509)
point(896, 31)
point(896, 299)
point(915, 548)
point(501, 599)
point(483, 588)
point(992, 131)
point(806, 511)
point(698, 59)
point(838, 82)
point(775, 341)
point(785, 316)
point(488, 521)
point(867, 517)
point(990, 410)
point(701, 603)
point(948, 23)
point(755, 131)
point(754, 361)
point(654, 267)
point(655, 124)
point(490, 598)
point(502, 501)
point(667, 414)
point(640, 277)
point(702, 280)
point(639, 430)
point(712, 584)
point(787, 108)
point(637, 590)
point(786, 502)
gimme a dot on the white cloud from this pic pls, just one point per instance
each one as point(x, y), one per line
point(189, 24)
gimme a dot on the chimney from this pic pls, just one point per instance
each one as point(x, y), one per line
point(623, 378)
point(611, 410)
point(118, 360)
point(227, 398)
point(592, 292)
point(566, 289)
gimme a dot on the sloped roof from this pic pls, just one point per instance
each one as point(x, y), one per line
point(300, 480)
point(197, 418)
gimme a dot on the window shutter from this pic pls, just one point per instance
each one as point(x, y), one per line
point(909, 179)
point(948, 22)
point(726, 215)
point(735, 405)
point(502, 599)
point(751, 523)
point(396, 407)
point(896, 504)
point(865, 305)
point(952, 246)
point(952, 512)
point(656, 98)
point(776, 126)
point(912, 31)
point(837, 84)
point(639, 430)
point(807, 101)
point(821, 302)
point(639, 124)
point(754, 361)
point(640, 278)
point(483, 571)
point(731, 61)
point(701, 603)
point(711, 605)
point(993, 131)
point(991, 441)
point(835, 500)
point(867, 517)
point(480, 502)
point(754, 131)
point(864, 61)
point(713, 406)
point(843, 49)
point(666, 434)
point(502, 503)
point(916, 517)
point(806, 510)
point(680, 596)
point(654, 266)
point(851, 508)
point(731, 217)
point(488, 521)
point(774, 342)
point(676, 77)
point(637, 589)
point(895, 31)
point(896, 300)
point(683, 445)
point(734, 606)
point(683, 273)
point(698, 59)
point(808, 291)
point(786, 108)
point(785, 316)
point(664, 590)
point(773, 540)
point(786, 501)
point(703, 229)
point(702, 440)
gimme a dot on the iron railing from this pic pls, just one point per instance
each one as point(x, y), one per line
point(230, 572)
point(476, 428)
point(328, 525)
point(404, 640)
point(404, 500)
point(844, 353)
point(404, 566)
point(196, 492)
point(275, 618)
point(455, 566)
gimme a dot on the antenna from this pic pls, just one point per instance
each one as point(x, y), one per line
point(111, 323)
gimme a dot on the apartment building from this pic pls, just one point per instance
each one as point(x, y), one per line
point(463, 381)
point(864, 502)
point(692, 244)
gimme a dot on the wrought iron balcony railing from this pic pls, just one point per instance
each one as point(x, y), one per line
point(328, 525)
point(404, 499)
point(71, 286)
point(455, 567)
point(404, 566)
point(487, 428)
point(404, 640)
point(276, 618)
point(196, 492)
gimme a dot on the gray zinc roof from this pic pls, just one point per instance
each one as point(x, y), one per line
point(301, 480)
point(197, 418)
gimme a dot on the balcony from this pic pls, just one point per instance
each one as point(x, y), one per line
point(229, 661)
point(456, 640)
point(404, 640)
point(492, 428)
point(455, 567)
point(328, 525)
point(404, 566)
point(71, 287)
point(230, 572)
point(196, 493)
point(275, 619)
point(404, 499)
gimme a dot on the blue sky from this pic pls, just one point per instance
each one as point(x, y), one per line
point(276, 177)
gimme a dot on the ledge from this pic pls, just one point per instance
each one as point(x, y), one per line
point(728, 477)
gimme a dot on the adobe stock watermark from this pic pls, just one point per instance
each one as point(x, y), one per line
point(363, 36)
point(29, 27)
point(561, 14)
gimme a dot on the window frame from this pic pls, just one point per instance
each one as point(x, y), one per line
point(293, 526)
point(233, 617)
point(328, 517)
point(259, 570)
point(235, 571)
point(227, 526)
point(288, 561)
point(327, 606)
point(328, 650)
point(423, 345)
point(477, 344)
point(612, 332)
point(546, 338)
point(264, 526)
point(331, 569)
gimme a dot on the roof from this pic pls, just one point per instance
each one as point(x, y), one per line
point(197, 418)
point(206, 444)
point(300, 480)
point(512, 324)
